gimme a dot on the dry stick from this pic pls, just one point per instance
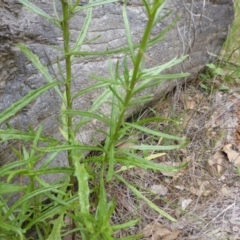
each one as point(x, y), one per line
point(219, 215)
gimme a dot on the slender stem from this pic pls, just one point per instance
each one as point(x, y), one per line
point(134, 78)
point(68, 83)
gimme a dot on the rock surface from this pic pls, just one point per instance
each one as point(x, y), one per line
point(202, 29)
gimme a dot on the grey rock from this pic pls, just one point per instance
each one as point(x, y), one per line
point(202, 29)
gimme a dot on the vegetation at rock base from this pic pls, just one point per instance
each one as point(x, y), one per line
point(78, 204)
point(107, 184)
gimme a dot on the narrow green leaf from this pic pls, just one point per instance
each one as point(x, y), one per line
point(131, 159)
point(158, 38)
point(38, 65)
point(4, 170)
point(126, 73)
point(33, 8)
point(117, 94)
point(150, 203)
point(12, 134)
point(89, 89)
point(55, 10)
point(155, 148)
point(88, 114)
point(126, 225)
point(24, 101)
point(165, 76)
point(50, 213)
point(84, 30)
point(128, 33)
point(95, 106)
point(141, 100)
point(36, 172)
point(159, 6)
point(151, 82)
point(27, 197)
point(35, 141)
point(48, 160)
point(133, 237)
point(147, 5)
point(62, 148)
point(108, 81)
point(94, 4)
point(55, 170)
point(153, 132)
point(155, 119)
point(10, 188)
point(12, 228)
point(154, 71)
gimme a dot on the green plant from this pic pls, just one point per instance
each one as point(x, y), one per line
point(44, 207)
point(229, 59)
point(211, 78)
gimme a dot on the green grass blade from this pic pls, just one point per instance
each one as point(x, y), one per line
point(24, 101)
point(150, 203)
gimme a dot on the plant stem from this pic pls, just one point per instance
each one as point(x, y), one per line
point(134, 78)
point(68, 83)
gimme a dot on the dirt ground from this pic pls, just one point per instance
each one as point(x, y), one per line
point(204, 197)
